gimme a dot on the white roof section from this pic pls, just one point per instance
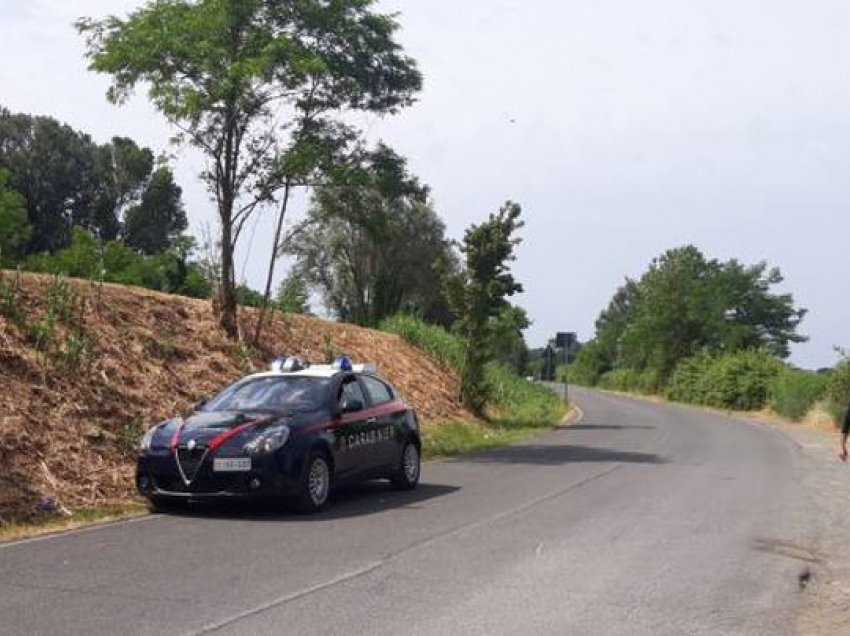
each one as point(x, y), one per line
point(316, 371)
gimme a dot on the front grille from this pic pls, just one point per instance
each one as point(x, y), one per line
point(190, 461)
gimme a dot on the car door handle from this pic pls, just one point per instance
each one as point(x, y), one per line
point(372, 420)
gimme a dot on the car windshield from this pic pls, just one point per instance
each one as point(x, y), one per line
point(272, 395)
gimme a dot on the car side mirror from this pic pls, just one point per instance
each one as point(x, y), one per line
point(201, 403)
point(352, 406)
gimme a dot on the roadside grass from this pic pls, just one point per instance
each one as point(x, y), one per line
point(516, 408)
point(451, 439)
point(79, 518)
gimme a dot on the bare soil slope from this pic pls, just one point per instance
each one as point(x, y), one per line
point(68, 431)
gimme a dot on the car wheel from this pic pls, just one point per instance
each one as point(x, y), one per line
point(406, 476)
point(315, 483)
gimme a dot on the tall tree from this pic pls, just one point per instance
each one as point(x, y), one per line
point(372, 243)
point(52, 166)
point(234, 76)
point(152, 226)
point(685, 304)
point(121, 174)
point(479, 295)
point(15, 229)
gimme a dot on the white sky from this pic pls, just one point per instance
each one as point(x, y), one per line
point(623, 128)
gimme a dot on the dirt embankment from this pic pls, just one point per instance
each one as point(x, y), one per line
point(67, 430)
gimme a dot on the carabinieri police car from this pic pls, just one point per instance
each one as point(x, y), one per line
point(291, 432)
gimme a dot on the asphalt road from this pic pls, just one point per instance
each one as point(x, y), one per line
point(640, 519)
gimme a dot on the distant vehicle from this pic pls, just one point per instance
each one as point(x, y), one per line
point(292, 432)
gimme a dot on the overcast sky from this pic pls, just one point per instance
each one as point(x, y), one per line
point(623, 128)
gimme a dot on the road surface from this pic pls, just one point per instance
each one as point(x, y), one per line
point(639, 519)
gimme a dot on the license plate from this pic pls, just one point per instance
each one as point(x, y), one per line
point(232, 465)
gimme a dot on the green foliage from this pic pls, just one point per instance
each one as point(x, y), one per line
point(794, 392)
point(838, 389)
point(115, 262)
point(224, 71)
point(514, 401)
point(589, 365)
point(15, 229)
point(129, 435)
point(158, 220)
point(293, 297)
point(248, 297)
point(244, 357)
point(372, 243)
point(686, 304)
point(739, 381)
point(67, 181)
point(478, 295)
point(10, 298)
point(631, 381)
point(329, 348)
point(517, 402)
point(446, 348)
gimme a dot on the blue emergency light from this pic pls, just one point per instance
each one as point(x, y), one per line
point(342, 364)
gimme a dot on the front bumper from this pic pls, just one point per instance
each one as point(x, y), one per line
point(158, 476)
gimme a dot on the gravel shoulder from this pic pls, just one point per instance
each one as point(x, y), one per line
point(826, 602)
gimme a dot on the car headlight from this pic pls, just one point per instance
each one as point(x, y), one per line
point(269, 441)
point(147, 439)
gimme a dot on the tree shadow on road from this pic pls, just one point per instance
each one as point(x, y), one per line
point(608, 427)
point(559, 454)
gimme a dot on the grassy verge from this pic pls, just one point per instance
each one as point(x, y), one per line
point(517, 409)
point(79, 518)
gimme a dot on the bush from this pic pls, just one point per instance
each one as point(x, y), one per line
point(631, 380)
point(518, 402)
point(838, 390)
point(115, 262)
point(794, 392)
point(739, 381)
point(448, 349)
point(514, 401)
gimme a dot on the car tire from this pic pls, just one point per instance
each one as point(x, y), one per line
point(406, 476)
point(315, 483)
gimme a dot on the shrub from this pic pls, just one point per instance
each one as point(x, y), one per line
point(794, 392)
point(446, 348)
point(739, 380)
point(620, 380)
point(838, 389)
point(518, 402)
point(514, 401)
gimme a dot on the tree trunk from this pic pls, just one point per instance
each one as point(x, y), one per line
point(275, 246)
point(227, 288)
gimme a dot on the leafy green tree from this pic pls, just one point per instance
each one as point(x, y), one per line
point(228, 73)
point(686, 304)
point(15, 229)
point(52, 166)
point(293, 296)
point(372, 243)
point(69, 181)
point(154, 224)
point(507, 343)
point(120, 176)
point(478, 295)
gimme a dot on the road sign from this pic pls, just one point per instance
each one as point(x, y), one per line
point(565, 340)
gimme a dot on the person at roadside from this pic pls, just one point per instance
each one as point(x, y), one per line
point(845, 430)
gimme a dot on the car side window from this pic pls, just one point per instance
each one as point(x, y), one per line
point(350, 391)
point(379, 393)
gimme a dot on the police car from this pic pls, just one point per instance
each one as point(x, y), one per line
point(291, 432)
